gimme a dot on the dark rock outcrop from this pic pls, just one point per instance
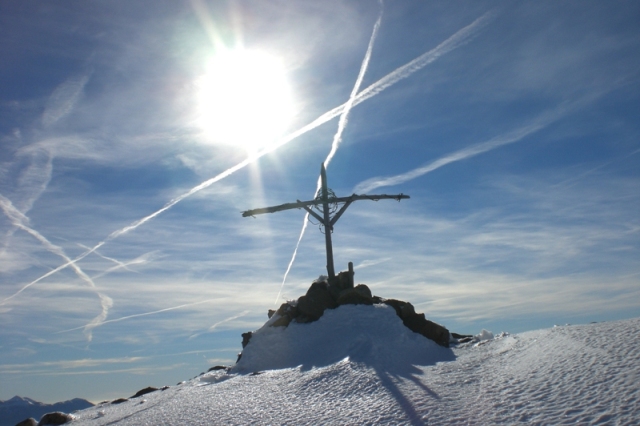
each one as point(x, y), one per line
point(313, 304)
point(462, 338)
point(329, 294)
point(360, 295)
point(144, 391)
point(418, 323)
point(246, 337)
point(28, 422)
point(55, 418)
point(217, 368)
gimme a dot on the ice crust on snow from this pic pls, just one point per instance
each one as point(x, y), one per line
point(564, 375)
point(483, 335)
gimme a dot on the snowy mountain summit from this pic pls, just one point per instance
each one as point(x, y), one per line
point(372, 335)
point(361, 364)
point(323, 298)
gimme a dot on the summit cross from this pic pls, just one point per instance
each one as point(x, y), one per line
point(324, 200)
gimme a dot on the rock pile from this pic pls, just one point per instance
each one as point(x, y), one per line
point(329, 294)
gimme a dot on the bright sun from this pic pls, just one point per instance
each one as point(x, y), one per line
point(244, 99)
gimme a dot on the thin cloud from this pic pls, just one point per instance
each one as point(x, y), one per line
point(63, 99)
point(69, 364)
point(140, 371)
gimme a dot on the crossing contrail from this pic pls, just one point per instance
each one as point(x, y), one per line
point(35, 178)
point(144, 314)
point(119, 265)
point(18, 220)
point(214, 326)
point(456, 40)
point(125, 265)
point(344, 117)
point(471, 151)
point(337, 138)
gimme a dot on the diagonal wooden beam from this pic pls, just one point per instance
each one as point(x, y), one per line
point(314, 214)
point(340, 212)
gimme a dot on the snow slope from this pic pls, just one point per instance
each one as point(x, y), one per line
point(360, 365)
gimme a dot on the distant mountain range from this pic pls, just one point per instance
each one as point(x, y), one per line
point(16, 409)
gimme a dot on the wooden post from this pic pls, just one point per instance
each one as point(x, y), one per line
point(351, 273)
point(327, 222)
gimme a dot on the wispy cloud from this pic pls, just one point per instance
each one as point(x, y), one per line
point(68, 364)
point(456, 40)
point(562, 250)
point(19, 220)
point(63, 99)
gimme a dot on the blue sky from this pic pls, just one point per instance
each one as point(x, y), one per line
point(125, 261)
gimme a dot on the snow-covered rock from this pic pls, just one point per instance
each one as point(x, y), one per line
point(370, 334)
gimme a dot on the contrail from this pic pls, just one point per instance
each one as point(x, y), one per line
point(241, 314)
point(125, 265)
point(36, 176)
point(342, 123)
point(460, 38)
point(293, 257)
point(337, 138)
point(213, 327)
point(119, 264)
point(173, 308)
point(588, 172)
point(456, 40)
point(18, 219)
point(511, 137)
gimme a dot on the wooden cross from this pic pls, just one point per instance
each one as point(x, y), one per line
point(326, 220)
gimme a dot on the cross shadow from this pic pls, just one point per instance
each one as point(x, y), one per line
point(393, 369)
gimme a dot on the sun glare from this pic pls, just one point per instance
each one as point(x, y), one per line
point(244, 99)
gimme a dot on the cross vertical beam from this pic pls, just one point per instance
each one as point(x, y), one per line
point(327, 222)
point(324, 199)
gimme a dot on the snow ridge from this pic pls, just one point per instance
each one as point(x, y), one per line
point(564, 375)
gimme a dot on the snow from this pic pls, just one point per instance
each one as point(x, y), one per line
point(381, 340)
point(360, 365)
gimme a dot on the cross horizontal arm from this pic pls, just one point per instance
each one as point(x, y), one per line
point(302, 204)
